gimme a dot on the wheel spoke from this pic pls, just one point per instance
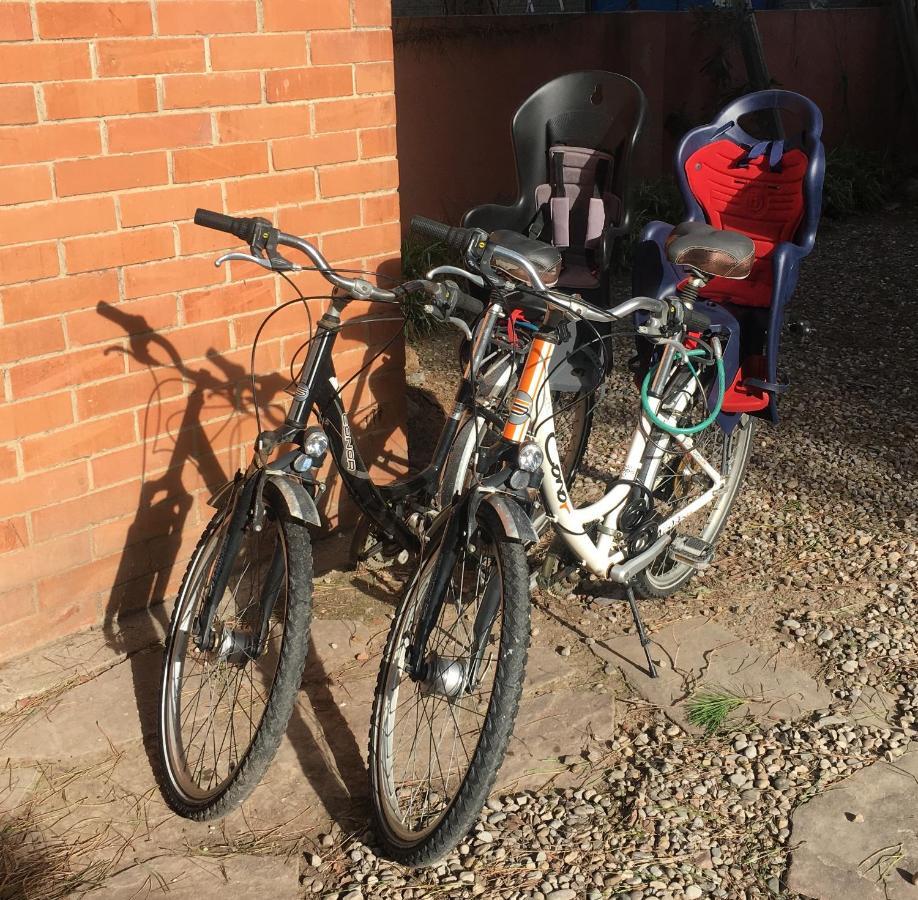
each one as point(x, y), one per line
point(427, 740)
point(217, 701)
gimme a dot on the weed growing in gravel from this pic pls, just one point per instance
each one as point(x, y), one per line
point(709, 708)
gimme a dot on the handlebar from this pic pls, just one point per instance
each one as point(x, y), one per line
point(264, 239)
point(242, 228)
point(455, 238)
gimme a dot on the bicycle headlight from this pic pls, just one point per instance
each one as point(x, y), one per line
point(315, 443)
point(529, 457)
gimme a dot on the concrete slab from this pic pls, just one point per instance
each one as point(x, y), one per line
point(193, 878)
point(696, 653)
point(858, 841)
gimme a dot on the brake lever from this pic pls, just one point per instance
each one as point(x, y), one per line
point(245, 257)
point(454, 270)
point(462, 326)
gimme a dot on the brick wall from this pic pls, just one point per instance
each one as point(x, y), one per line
point(123, 350)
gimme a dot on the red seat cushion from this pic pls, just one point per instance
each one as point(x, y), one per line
point(765, 205)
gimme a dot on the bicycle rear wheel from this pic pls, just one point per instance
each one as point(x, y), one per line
point(224, 710)
point(680, 481)
point(438, 736)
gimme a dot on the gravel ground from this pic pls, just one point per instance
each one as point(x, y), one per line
point(820, 554)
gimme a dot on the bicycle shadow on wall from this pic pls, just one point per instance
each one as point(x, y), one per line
point(189, 411)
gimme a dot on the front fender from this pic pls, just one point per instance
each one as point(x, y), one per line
point(510, 518)
point(300, 504)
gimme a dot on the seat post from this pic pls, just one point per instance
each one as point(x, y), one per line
point(697, 280)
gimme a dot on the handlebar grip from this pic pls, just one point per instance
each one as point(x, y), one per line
point(242, 228)
point(469, 304)
point(695, 320)
point(457, 238)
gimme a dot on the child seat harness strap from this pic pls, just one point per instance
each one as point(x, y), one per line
point(772, 150)
point(575, 206)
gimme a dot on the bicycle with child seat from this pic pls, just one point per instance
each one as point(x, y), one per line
point(451, 673)
point(619, 537)
point(660, 518)
point(237, 641)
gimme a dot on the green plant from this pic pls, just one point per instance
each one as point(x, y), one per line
point(709, 708)
point(856, 181)
point(418, 257)
point(653, 198)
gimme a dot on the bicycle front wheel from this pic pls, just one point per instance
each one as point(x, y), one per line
point(438, 735)
point(224, 709)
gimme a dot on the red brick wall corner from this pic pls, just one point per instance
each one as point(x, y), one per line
point(123, 350)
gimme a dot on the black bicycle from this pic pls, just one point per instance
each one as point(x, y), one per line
point(238, 637)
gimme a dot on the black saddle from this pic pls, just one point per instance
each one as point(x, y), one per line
point(725, 254)
point(545, 258)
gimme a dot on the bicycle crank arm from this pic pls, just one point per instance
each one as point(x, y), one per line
point(625, 571)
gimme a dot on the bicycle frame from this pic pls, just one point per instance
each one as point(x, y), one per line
point(533, 405)
point(318, 389)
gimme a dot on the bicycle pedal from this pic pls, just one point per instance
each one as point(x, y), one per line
point(691, 550)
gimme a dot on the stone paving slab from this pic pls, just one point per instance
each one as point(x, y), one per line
point(79, 657)
point(82, 752)
point(697, 652)
point(551, 730)
point(89, 719)
point(239, 876)
point(859, 841)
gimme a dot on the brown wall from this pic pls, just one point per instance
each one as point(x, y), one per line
point(459, 80)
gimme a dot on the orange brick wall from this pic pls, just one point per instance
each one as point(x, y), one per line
point(123, 350)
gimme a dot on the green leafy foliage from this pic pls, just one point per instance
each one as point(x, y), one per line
point(856, 181)
point(653, 198)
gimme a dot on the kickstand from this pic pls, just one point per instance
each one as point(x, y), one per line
point(645, 641)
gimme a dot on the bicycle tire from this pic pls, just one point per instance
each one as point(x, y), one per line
point(272, 725)
point(664, 584)
point(430, 844)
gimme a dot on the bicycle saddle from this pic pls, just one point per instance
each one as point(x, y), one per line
point(726, 254)
point(545, 258)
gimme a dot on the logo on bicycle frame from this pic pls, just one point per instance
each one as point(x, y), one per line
point(554, 462)
point(519, 408)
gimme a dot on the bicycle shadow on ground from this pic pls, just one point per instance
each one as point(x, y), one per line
point(180, 431)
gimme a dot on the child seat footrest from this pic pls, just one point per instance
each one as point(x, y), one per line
point(750, 390)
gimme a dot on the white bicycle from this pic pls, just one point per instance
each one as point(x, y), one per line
point(452, 671)
point(661, 516)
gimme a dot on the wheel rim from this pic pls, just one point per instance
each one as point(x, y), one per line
point(213, 703)
point(426, 741)
point(680, 481)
